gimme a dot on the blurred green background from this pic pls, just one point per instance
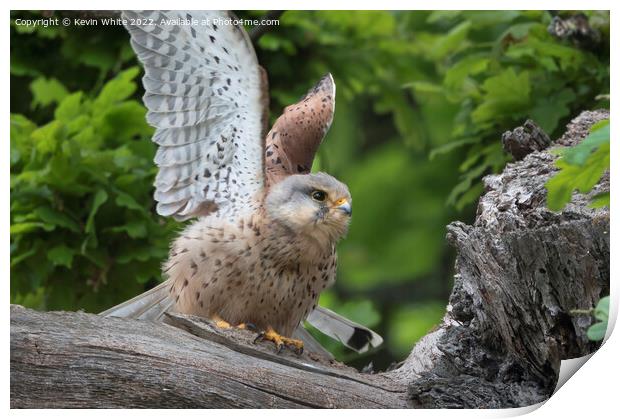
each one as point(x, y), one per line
point(422, 100)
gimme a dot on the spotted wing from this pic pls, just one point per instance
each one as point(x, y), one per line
point(203, 94)
point(296, 135)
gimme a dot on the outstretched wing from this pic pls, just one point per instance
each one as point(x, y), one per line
point(296, 135)
point(204, 97)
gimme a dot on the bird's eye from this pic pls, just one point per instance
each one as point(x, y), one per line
point(319, 196)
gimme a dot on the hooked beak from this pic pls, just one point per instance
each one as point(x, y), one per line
point(344, 206)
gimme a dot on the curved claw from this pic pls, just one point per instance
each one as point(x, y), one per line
point(259, 338)
point(298, 350)
point(280, 342)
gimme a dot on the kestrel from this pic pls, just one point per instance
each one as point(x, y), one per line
point(263, 246)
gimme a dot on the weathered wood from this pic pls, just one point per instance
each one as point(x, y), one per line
point(65, 359)
point(520, 269)
point(524, 140)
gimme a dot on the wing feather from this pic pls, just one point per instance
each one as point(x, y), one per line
point(203, 92)
point(296, 135)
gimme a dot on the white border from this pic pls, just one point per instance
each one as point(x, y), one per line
point(589, 393)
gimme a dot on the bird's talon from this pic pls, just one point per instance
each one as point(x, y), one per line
point(296, 346)
point(220, 322)
point(259, 338)
point(299, 350)
point(281, 342)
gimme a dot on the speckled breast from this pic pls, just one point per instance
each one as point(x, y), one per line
point(246, 273)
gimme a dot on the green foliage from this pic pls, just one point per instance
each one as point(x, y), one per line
point(601, 313)
point(46, 92)
point(81, 206)
point(412, 322)
point(581, 167)
point(599, 135)
point(504, 69)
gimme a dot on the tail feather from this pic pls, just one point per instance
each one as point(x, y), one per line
point(150, 305)
point(352, 335)
point(157, 310)
point(310, 343)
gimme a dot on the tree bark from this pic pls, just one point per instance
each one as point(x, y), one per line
point(521, 269)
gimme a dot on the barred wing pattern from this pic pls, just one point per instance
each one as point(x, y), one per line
point(203, 94)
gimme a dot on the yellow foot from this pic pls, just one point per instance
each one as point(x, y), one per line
point(223, 324)
point(281, 341)
point(220, 322)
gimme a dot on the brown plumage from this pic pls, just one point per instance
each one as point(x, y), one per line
point(296, 135)
point(258, 270)
point(263, 247)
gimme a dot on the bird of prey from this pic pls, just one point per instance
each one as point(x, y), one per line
point(263, 246)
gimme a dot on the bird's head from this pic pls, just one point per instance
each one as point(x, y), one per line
point(316, 205)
